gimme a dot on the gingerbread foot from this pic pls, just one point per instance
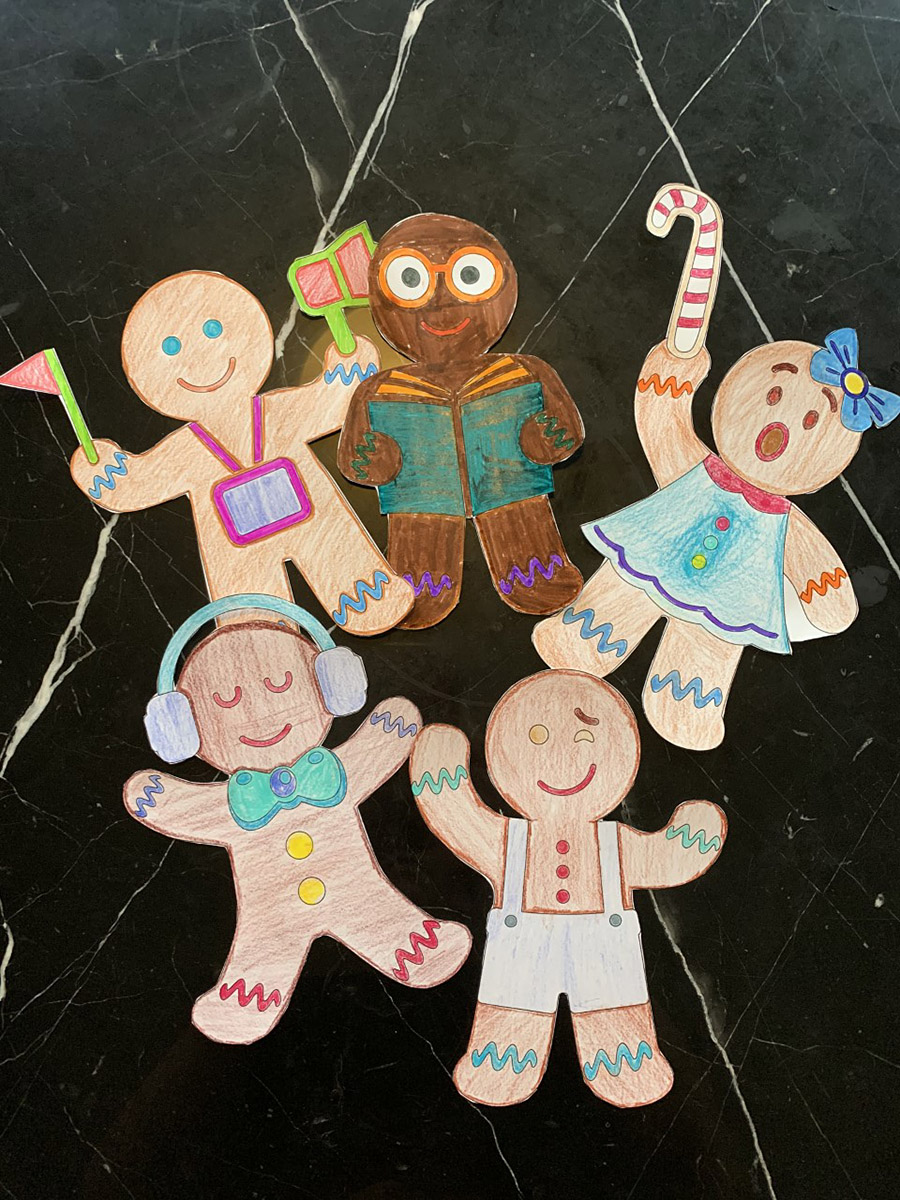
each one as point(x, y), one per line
point(247, 1002)
point(688, 684)
point(620, 1057)
point(506, 1056)
point(427, 551)
point(525, 555)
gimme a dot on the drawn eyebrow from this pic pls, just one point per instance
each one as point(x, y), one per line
point(785, 367)
point(832, 399)
point(584, 717)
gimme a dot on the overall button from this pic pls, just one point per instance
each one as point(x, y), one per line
point(562, 872)
point(282, 782)
point(562, 847)
point(615, 920)
point(563, 896)
point(510, 922)
point(311, 891)
point(299, 845)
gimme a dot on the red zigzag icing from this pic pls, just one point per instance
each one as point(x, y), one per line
point(418, 943)
point(256, 993)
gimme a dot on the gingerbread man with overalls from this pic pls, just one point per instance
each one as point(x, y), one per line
point(562, 749)
point(256, 700)
point(198, 347)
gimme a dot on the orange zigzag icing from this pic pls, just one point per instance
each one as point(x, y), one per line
point(828, 579)
point(671, 385)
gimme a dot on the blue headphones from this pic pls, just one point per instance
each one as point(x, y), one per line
point(169, 719)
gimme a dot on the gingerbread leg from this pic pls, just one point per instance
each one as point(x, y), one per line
point(620, 1057)
point(427, 550)
point(506, 1056)
point(688, 684)
point(526, 558)
point(230, 570)
point(401, 940)
point(353, 581)
point(600, 628)
point(253, 991)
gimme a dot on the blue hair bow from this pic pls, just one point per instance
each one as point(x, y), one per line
point(862, 405)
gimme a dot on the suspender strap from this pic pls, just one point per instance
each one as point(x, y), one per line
point(514, 875)
point(610, 866)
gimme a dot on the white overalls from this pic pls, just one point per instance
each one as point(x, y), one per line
point(532, 957)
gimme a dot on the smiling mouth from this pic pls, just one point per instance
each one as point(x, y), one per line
point(772, 441)
point(267, 741)
point(545, 787)
point(445, 332)
point(209, 387)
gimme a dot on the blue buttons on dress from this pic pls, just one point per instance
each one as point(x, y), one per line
point(282, 782)
point(243, 778)
point(171, 345)
point(710, 542)
point(615, 920)
point(212, 329)
point(511, 922)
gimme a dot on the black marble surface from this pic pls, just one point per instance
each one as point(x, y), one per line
point(142, 139)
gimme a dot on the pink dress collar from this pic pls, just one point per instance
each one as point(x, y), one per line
point(725, 478)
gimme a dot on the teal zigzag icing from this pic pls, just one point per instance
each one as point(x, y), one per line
point(363, 450)
point(589, 630)
point(555, 432)
point(694, 689)
point(623, 1055)
point(688, 839)
point(510, 1055)
point(444, 776)
point(375, 589)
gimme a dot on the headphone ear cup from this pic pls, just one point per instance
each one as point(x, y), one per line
point(171, 727)
point(342, 680)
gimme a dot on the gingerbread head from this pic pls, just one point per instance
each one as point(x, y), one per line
point(195, 343)
point(562, 743)
point(441, 288)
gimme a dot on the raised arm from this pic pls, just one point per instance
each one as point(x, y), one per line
point(452, 809)
point(556, 433)
point(364, 456)
point(319, 408)
point(380, 746)
point(688, 846)
point(125, 482)
point(662, 412)
point(191, 812)
point(818, 576)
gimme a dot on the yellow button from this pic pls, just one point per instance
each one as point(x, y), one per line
point(311, 891)
point(698, 562)
point(299, 845)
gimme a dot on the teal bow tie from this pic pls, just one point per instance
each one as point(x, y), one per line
point(317, 778)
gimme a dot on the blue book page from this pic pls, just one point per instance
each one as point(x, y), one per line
point(429, 480)
point(499, 472)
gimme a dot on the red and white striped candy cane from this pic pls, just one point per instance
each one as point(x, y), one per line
point(697, 290)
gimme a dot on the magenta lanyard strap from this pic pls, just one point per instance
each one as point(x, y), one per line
point(219, 450)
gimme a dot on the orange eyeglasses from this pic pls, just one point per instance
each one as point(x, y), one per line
point(409, 278)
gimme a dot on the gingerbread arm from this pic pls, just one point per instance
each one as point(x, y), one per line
point(452, 809)
point(320, 407)
point(364, 456)
point(662, 412)
point(191, 812)
point(379, 747)
point(818, 576)
point(688, 846)
point(555, 434)
point(126, 482)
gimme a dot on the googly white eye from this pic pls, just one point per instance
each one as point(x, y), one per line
point(407, 278)
point(473, 274)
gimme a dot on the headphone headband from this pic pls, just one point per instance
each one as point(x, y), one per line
point(165, 681)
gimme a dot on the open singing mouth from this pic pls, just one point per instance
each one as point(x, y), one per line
point(545, 787)
point(209, 387)
point(772, 441)
point(266, 741)
point(445, 332)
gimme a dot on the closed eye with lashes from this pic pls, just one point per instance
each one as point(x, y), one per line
point(279, 687)
point(235, 699)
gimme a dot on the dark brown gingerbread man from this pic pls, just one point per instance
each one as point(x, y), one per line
point(460, 432)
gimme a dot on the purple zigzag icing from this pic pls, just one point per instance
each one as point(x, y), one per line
point(699, 608)
point(534, 564)
point(445, 583)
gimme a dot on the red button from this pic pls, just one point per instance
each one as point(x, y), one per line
point(563, 896)
point(562, 872)
point(562, 847)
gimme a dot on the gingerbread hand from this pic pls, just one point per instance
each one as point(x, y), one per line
point(544, 440)
point(379, 746)
point(686, 848)
point(376, 459)
point(675, 378)
point(191, 812)
point(818, 575)
point(99, 480)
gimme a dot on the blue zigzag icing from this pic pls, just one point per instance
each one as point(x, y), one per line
point(375, 589)
point(392, 723)
point(694, 689)
point(623, 1055)
point(355, 372)
point(688, 839)
point(106, 479)
point(589, 630)
point(444, 776)
point(510, 1055)
point(146, 801)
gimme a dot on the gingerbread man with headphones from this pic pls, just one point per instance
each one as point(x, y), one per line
point(256, 701)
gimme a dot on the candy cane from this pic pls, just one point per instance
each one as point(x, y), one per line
point(697, 290)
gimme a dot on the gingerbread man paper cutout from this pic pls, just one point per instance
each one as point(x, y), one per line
point(257, 700)
point(720, 551)
point(562, 749)
point(198, 346)
point(460, 432)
